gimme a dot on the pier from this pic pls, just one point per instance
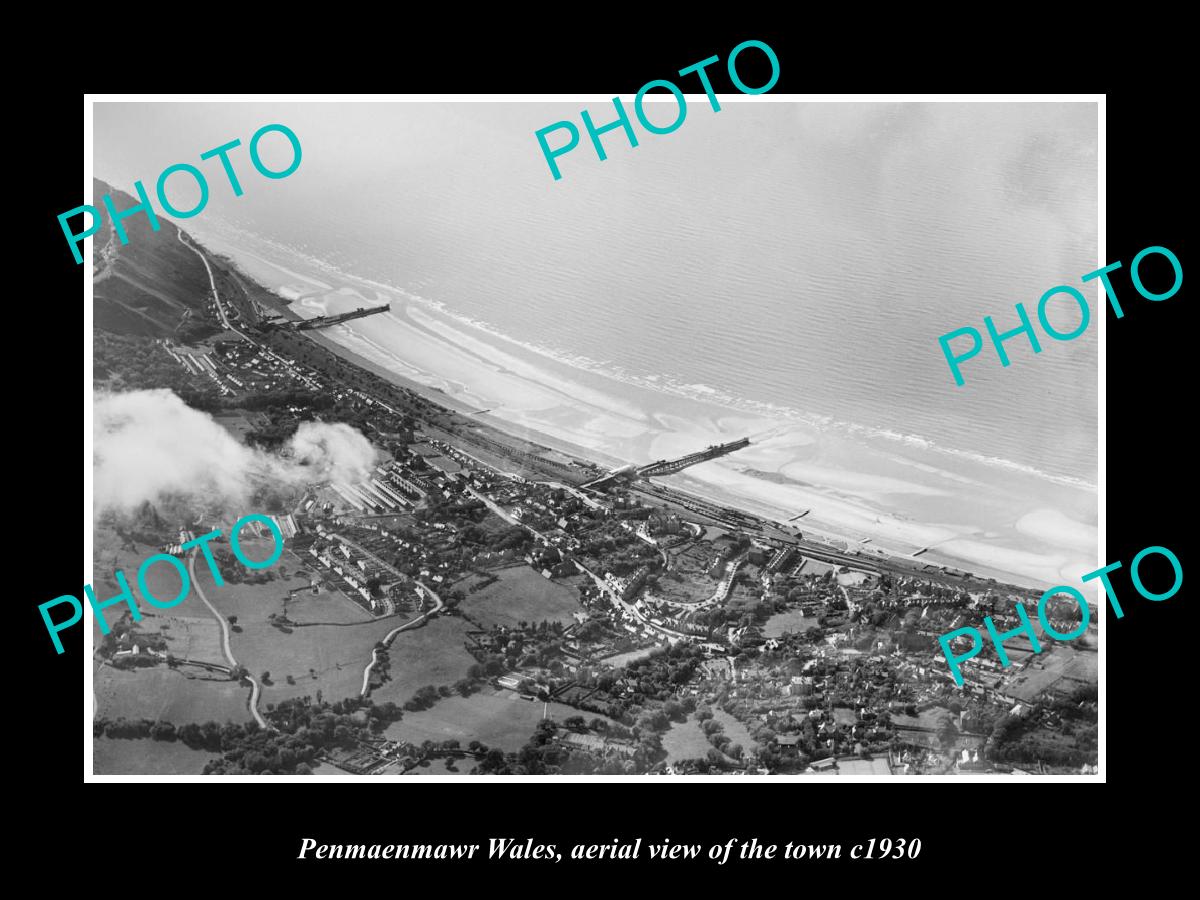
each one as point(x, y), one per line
point(668, 466)
point(326, 321)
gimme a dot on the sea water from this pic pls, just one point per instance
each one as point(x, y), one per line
point(777, 269)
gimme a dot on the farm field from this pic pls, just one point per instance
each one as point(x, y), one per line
point(438, 767)
point(522, 595)
point(793, 620)
point(145, 756)
point(623, 659)
point(933, 718)
point(325, 607)
point(1060, 670)
point(848, 579)
point(252, 602)
point(1082, 665)
point(162, 693)
point(499, 719)
point(189, 639)
point(326, 770)
point(685, 740)
point(326, 658)
point(432, 654)
point(336, 653)
point(736, 730)
point(190, 629)
point(816, 567)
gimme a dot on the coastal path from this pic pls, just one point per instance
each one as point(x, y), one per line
point(212, 283)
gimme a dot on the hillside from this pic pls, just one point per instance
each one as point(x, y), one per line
point(146, 286)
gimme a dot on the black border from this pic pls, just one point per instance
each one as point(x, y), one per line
point(1147, 455)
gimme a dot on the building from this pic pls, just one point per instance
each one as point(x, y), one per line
point(635, 583)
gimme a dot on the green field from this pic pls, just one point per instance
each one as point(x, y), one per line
point(685, 741)
point(337, 653)
point(793, 620)
point(190, 629)
point(497, 718)
point(438, 767)
point(1059, 670)
point(147, 757)
point(328, 607)
point(162, 693)
point(432, 654)
point(620, 660)
point(252, 602)
point(194, 639)
point(736, 730)
point(326, 770)
point(522, 595)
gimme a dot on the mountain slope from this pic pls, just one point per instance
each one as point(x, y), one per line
point(145, 286)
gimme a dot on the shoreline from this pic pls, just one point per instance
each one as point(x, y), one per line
point(439, 396)
point(890, 497)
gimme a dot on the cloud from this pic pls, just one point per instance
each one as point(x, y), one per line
point(150, 444)
point(331, 452)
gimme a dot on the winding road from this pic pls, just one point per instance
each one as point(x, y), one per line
point(256, 688)
point(413, 623)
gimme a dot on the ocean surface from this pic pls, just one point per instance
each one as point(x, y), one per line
point(776, 269)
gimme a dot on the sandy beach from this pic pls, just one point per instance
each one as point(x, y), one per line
point(863, 488)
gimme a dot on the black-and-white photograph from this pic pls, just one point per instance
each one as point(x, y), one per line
point(504, 437)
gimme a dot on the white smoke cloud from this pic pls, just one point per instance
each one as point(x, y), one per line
point(150, 444)
point(334, 452)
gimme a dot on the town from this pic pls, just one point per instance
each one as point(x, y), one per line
point(643, 629)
